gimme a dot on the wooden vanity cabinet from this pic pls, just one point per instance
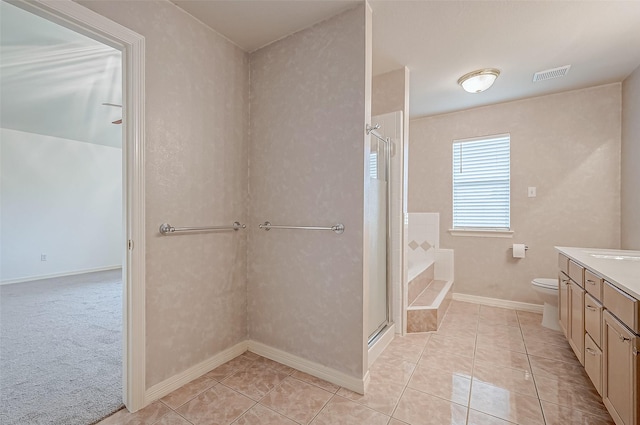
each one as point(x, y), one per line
point(620, 383)
point(564, 307)
point(576, 322)
point(602, 324)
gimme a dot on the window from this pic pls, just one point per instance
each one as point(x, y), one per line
point(481, 183)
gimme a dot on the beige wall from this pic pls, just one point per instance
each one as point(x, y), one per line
point(306, 156)
point(567, 145)
point(631, 161)
point(390, 92)
point(197, 98)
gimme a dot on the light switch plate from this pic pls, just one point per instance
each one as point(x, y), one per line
point(531, 192)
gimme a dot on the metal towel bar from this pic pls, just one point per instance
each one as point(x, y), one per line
point(166, 229)
point(337, 228)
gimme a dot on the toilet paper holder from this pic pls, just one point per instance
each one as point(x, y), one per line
point(526, 248)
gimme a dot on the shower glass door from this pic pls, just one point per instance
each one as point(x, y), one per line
point(378, 231)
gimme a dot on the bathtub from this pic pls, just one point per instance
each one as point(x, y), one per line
point(414, 268)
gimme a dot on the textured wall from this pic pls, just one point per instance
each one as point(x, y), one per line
point(306, 156)
point(631, 161)
point(62, 198)
point(197, 98)
point(567, 145)
point(389, 92)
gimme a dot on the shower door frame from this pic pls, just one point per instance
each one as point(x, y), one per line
point(373, 337)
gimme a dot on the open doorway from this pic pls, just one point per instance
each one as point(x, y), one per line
point(63, 233)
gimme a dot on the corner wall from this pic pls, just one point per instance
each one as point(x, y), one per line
point(567, 145)
point(306, 156)
point(630, 197)
point(197, 113)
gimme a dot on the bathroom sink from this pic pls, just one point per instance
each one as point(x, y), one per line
point(616, 257)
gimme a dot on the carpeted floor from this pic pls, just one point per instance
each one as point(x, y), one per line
point(61, 349)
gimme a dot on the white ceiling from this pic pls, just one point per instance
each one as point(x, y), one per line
point(54, 81)
point(441, 40)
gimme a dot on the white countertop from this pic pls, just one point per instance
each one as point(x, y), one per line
point(611, 265)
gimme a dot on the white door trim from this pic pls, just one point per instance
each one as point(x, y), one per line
point(85, 21)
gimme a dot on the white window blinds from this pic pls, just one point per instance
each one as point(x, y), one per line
point(481, 183)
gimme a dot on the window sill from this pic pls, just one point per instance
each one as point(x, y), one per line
point(482, 233)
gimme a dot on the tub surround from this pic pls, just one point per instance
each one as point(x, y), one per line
point(430, 274)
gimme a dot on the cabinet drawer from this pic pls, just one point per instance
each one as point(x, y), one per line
point(593, 362)
point(563, 263)
point(576, 322)
point(576, 273)
point(593, 284)
point(620, 374)
point(623, 306)
point(593, 319)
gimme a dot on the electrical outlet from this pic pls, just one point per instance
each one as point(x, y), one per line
point(531, 192)
point(43, 257)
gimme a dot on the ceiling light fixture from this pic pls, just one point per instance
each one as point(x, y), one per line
point(478, 81)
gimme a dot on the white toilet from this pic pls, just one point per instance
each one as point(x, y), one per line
point(547, 290)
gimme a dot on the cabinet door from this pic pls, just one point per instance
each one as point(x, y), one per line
point(576, 323)
point(620, 371)
point(563, 303)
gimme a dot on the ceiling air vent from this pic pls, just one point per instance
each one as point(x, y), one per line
point(551, 73)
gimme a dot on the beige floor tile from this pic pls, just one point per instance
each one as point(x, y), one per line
point(188, 391)
point(490, 311)
point(406, 349)
point(499, 331)
point(447, 362)
point(461, 307)
point(255, 381)
point(263, 361)
point(529, 318)
point(502, 357)
point(172, 419)
point(458, 346)
point(575, 397)
point(340, 411)
point(297, 400)
point(562, 353)
point(532, 333)
point(558, 415)
point(510, 343)
point(260, 415)
point(147, 416)
point(216, 406)
point(447, 385)
point(417, 408)
point(511, 321)
point(457, 330)
point(392, 369)
point(552, 369)
point(229, 368)
point(250, 355)
point(514, 380)
point(395, 421)
point(469, 321)
point(479, 418)
point(325, 385)
point(505, 404)
point(415, 338)
point(381, 396)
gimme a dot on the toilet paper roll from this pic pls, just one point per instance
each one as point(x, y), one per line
point(518, 250)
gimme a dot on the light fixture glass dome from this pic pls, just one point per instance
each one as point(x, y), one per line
point(478, 81)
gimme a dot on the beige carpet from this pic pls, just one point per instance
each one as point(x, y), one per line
point(61, 349)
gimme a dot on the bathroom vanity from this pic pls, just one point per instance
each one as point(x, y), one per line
point(599, 313)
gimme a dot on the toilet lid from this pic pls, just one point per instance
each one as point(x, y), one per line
point(546, 283)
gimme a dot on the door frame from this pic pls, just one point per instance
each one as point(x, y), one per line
point(132, 45)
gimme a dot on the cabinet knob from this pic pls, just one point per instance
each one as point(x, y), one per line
point(590, 307)
point(593, 282)
point(590, 351)
point(623, 338)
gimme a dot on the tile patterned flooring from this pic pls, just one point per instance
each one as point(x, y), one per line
point(485, 366)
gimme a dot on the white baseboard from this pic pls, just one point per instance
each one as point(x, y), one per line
point(381, 343)
point(49, 276)
point(319, 371)
point(176, 381)
point(496, 302)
